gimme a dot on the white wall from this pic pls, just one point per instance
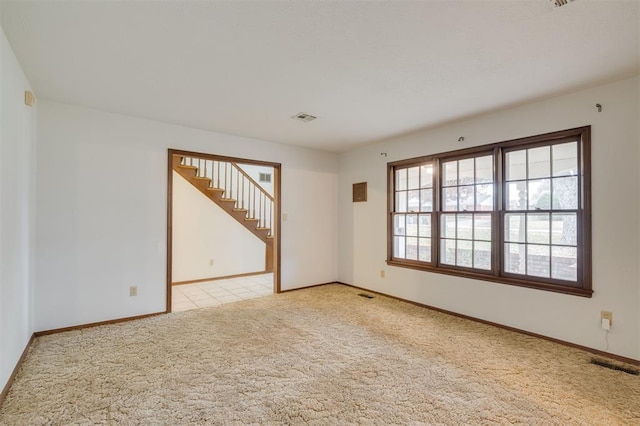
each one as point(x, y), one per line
point(254, 171)
point(101, 212)
point(17, 211)
point(615, 189)
point(202, 232)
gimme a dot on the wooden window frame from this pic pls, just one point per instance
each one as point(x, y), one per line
point(581, 287)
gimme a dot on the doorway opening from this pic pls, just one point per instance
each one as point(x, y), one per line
point(223, 229)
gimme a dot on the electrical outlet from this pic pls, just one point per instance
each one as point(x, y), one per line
point(381, 273)
point(210, 262)
point(606, 315)
point(133, 290)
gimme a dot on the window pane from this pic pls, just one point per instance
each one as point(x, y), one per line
point(412, 225)
point(426, 176)
point(398, 247)
point(424, 225)
point(482, 227)
point(448, 226)
point(466, 198)
point(565, 159)
point(565, 193)
point(564, 229)
point(413, 200)
point(514, 230)
point(424, 250)
point(413, 178)
point(401, 201)
point(484, 169)
point(539, 162)
point(538, 228)
point(412, 248)
point(514, 257)
point(426, 200)
point(448, 252)
point(516, 196)
point(401, 179)
point(465, 226)
point(450, 199)
point(466, 172)
point(482, 255)
point(465, 253)
point(484, 197)
point(450, 174)
point(516, 165)
point(539, 194)
point(399, 224)
point(538, 263)
point(564, 263)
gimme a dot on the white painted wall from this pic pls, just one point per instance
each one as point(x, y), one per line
point(202, 232)
point(254, 171)
point(616, 214)
point(101, 212)
point(17, 211)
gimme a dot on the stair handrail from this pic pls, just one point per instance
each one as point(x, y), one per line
point(266, 220)
point(269, 196)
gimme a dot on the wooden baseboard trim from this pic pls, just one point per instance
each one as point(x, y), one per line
point(226, 277)
point(310, 286)
point(95, 324)
point(7, 386)
point(506, 327)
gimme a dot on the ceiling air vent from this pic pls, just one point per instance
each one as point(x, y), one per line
point(560, 3)
point(304, 117)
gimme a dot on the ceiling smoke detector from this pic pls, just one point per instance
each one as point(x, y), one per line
point(304, 117)
point(560, 3)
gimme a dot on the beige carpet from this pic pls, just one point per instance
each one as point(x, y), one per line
point(320, 356)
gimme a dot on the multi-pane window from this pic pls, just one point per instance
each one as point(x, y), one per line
point(515, 212)
point(413, 208)
point(541, 211)
point(465, 224)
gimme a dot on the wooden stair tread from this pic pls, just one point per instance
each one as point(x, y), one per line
point(205, 185)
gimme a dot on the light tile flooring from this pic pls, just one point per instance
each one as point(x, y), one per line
point(212, 293)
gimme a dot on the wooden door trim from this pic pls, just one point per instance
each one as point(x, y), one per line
point(277, 167)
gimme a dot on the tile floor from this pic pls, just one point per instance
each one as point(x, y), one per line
point(212, 293)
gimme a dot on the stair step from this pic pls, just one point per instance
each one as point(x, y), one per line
point(206, 185)
point(187, 167)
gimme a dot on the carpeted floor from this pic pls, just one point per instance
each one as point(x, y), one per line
point(321, 356)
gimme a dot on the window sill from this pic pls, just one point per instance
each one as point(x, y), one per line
point(556, 288)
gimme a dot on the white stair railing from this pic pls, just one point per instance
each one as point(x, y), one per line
point(237, 185)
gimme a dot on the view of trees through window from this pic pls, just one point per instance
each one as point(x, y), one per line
point(510, 212)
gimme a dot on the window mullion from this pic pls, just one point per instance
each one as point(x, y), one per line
point(435, 216)
point(497, 216)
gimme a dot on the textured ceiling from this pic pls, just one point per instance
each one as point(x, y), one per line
point(367, 70)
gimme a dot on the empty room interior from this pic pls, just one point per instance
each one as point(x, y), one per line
point(270, 212)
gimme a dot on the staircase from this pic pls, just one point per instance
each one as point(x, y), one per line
point(235, 192)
